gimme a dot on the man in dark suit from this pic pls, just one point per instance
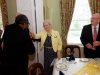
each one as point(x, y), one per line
point(17, 46)
point(90, 37)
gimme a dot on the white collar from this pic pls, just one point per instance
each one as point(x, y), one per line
point(97, 26)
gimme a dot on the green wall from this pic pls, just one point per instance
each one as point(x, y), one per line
point(53, 13)
point(12, 9)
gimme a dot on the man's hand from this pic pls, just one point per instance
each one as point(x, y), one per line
point(2, 45)
point(32, 35)
point(96, 43)
point(88, 45)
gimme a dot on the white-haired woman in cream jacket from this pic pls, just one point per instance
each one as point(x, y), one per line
point(51, 41)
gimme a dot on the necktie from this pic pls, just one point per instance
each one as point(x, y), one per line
point(95, 36)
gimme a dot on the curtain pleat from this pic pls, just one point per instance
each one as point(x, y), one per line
point(95, 6)
point(66, 13)
point(4, 12)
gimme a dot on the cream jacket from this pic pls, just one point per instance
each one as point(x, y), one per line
point(56, 40)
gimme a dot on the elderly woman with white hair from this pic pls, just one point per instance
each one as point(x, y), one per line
point(51, 41)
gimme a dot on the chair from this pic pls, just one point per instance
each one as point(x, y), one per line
point(72, 49)
point(33, 68)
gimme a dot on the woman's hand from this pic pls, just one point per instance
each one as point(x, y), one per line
point(58, 55)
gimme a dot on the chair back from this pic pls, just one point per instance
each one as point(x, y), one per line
point(33, 69)
point(72, 49)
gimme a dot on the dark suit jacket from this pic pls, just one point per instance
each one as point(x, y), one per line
point(86, 37)
point(17, 46)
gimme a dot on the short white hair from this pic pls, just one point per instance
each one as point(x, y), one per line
point(49, 21)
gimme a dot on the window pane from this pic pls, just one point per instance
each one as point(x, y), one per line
point(1, 24)
point(78, 24)
point(81, 17)
point(74, 37)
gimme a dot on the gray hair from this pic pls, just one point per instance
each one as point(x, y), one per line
point(18, 13)
point(49, 21)
point(98, 15)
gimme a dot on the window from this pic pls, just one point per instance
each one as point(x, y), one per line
point(1, 24)
point(81, 17)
